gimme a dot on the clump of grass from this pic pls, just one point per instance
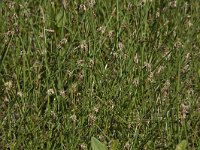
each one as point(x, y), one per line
point(115, 70)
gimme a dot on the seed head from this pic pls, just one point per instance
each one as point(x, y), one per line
point(50, 92)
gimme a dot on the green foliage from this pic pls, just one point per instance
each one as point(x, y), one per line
point(115, 145)
point(61, 18)
point(199, 72)
point(97, 145)
point(126, 70)
point(182, 145)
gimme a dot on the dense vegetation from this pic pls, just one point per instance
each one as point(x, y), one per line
point(126, 70)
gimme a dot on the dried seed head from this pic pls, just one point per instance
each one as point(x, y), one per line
point(110, 34)
point(147, 66)
point(130, 6)
point(151, 77)
point(91, 3)
point(173, 4)
point(190, 91)
point(96, 108)
point(102, 29)
point(115, 54)
point(62, 93)
point(50, 92)
point(63, 42)
point(91, 63)
point(178, 44)
point(83, 146)
point(136, 60)
point(92, 119)
point(165, 89)
point(136, 82)
point(111, 104)
point(80, 63)
point(187, 57)
point(83, 45)
point(8, 85)
point(6, 100)
point(189, 23)
point(73, 117)
point(185, 68)
point(73, 88)
point(184, 111)
point(69, 73)
point(82, 7)
point(158, 14)
point(121, 46)
point(53, 114)
point(19, 93)
point(160, 68)
point(101, 138)
point(80, 75)
point(127, 146)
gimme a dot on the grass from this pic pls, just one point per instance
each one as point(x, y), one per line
point(116, 70)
